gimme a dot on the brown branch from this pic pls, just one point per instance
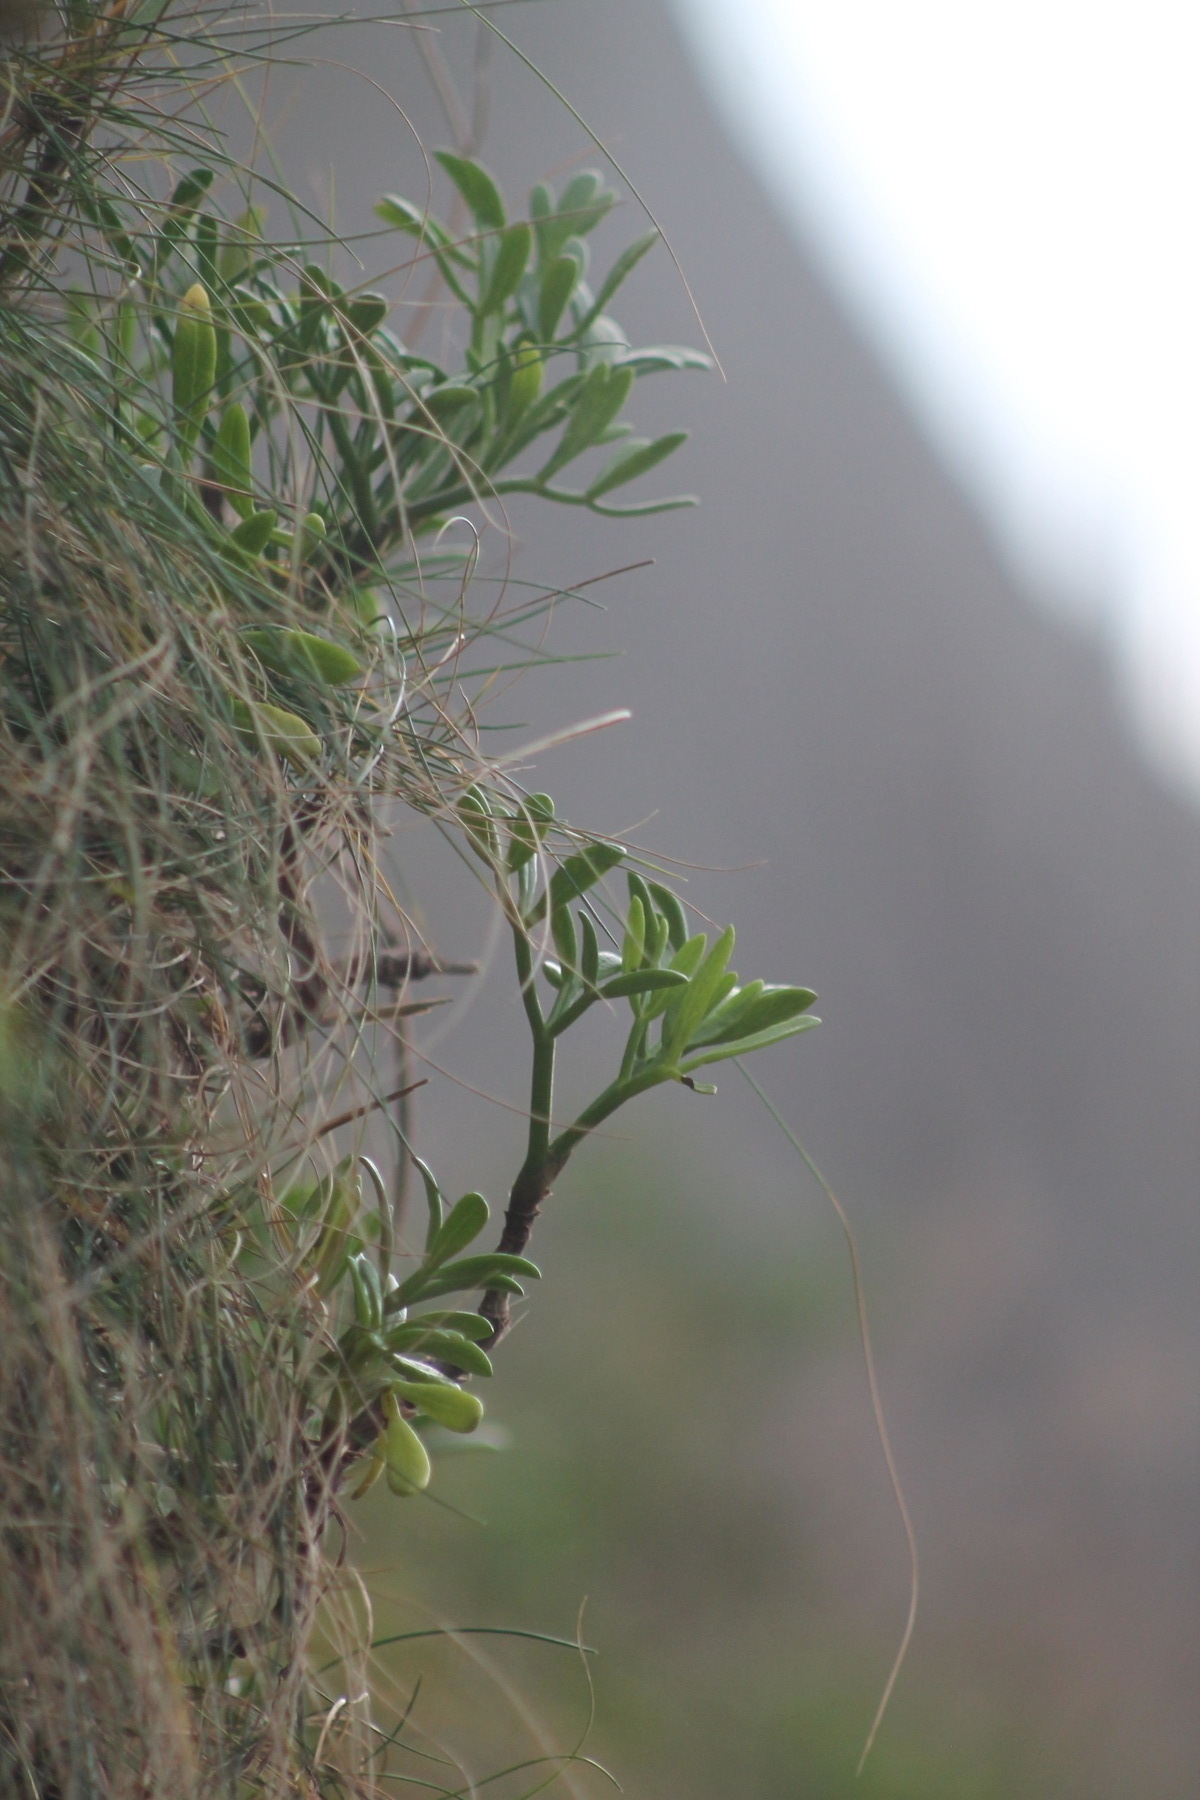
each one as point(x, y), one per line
point(360, 1112)
point(530, 1191)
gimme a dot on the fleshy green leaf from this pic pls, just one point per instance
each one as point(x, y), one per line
point(725, 1016)
point(231, 458)
point(634, 941)
point(366, 312)
point(690, 954)
point(253, 534)
point(642, 981)
point(622, 268)
point(368, 1293)
point(582, 870)
point(449, 398)
point(408, 1465)
point(512, 254)
point(525, 380)
point(465, 1324)
point(745, 1046)
point(589, 955)
point(580, 193)
point(603, 394)
point(640, 892)
point(462, 1225)
point(527, 829)
point(460, 1277)
point(448, 1281)
point(190, 191)
point(402, 215)
point(685, 1015)
point(303, 653)
point(476, 187)
point(658, 357)
point(433, 1200)
point(415, 1368)
point(193, 364)
point(584, 203)
point(448, 1406)
point(477, 820)
point(562, 929)
point(752, 1009)
point(446, 1346)
point(670, 907)
point(556, 287)
point(635, 458)
point(284, 732)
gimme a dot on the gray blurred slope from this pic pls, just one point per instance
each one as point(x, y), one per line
point(829, 670)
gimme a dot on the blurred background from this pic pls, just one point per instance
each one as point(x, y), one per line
point(915, 701)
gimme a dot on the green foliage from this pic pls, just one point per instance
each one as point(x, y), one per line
point(224, 666)
point(396, 442)
point(687, 1006)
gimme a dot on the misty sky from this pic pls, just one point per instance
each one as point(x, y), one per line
point(1009, 196)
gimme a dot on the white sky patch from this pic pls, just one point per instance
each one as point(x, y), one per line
point(1009, 195)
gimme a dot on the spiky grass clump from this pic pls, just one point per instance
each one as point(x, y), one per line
point(172, 1037)
point(163, 1488)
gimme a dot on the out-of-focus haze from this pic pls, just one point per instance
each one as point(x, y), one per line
point(927, 804)
point(1009, 197)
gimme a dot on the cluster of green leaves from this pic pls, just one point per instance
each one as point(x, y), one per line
point(530, 307)
point(388, 1364)
point(251, 341)
point(300, 436)
point(287, 426)
point(287, 421)
point(392, 1370)
point(228, 460)
point(688, 1006)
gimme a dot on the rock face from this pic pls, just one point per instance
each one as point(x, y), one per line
point(830, 670)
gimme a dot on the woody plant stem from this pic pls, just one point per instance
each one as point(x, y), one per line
point(546, 1157)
